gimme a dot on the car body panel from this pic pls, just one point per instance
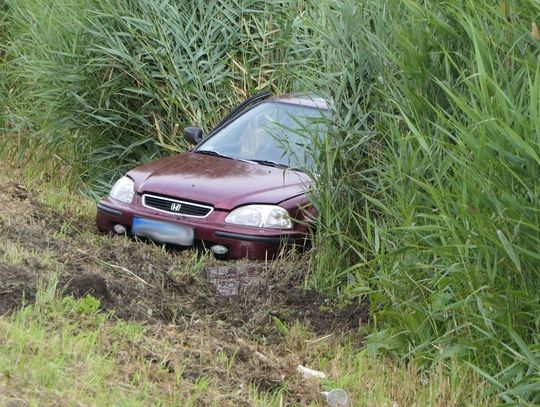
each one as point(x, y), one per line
point(224, 184)
point(206, 230)
point(302, 99)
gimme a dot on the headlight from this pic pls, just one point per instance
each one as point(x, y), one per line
point(263, 216)
point(123, 190)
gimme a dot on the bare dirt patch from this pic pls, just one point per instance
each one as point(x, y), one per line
point(140, 281)
point(17, 287)
point(228, 309)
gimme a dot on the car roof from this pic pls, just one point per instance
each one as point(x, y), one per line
point(302, 99)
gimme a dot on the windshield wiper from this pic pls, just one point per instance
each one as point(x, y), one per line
point(277, 165)
point(212, 152)
point(270, 163)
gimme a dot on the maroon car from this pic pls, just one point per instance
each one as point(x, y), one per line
point(240, 192)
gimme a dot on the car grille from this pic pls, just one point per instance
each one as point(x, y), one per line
point(177, 207)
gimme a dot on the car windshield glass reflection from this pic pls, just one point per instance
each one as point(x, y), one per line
point(274, 134)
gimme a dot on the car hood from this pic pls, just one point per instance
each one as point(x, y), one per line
point(222, 182)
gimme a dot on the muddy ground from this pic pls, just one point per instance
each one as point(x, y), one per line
point(142, 282)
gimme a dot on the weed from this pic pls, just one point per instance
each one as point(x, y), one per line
point(426, 189)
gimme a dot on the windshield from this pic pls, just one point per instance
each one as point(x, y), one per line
point(271, 133)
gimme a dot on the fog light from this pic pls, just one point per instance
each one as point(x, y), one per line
point(120, 229)
point(219, 250)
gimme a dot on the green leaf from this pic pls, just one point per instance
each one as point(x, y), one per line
point(509, 249)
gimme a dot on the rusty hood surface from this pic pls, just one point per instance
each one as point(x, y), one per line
point(222, 182)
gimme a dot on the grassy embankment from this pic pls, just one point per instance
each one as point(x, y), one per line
point(167, 341)
point(434, 160)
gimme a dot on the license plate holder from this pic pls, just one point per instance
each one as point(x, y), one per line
point(163, 232)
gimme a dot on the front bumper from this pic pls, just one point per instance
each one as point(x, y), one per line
point(241, 241)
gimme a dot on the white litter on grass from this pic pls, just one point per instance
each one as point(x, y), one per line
point(309, 373)
point(336, 398)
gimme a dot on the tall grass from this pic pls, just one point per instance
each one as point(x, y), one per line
point(441, 224)
point(427, 190)
point(114, 82)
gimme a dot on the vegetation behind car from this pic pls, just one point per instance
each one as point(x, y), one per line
point(427, 191)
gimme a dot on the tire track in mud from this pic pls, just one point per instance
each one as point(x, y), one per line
point(140, 282)
point(228, 308)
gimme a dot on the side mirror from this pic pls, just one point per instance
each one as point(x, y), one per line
point(193, 135)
